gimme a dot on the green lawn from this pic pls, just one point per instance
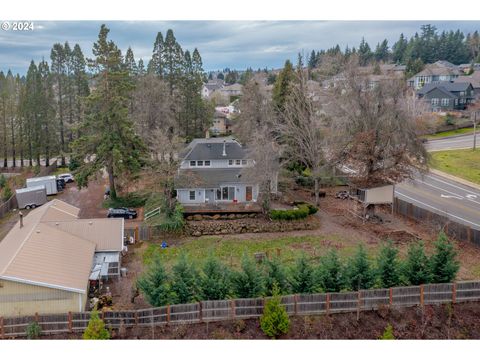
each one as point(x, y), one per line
point(461, 163)
point(449, 133)
point(230, 250)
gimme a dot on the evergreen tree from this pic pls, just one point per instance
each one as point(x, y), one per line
point(330, 273)
point(360, 274)
point(282, 86)
point(388, 266)
point(172, 60)
point(157, 62)
point(80, 86)
point(399, 49)
point(215, 280)
point(364, 53)
point(130, 63)
point(275, 276)
point(96, 328)
point(249, 281)
point(381, 51)
point(231, 78)
point(220, 76)
point(46, 113)
point(274, 321)
point(59, 60)
point(444, 265)
point(416, 269)
point(154, 283)
point(107, 136)
point(3, 108)
point(312, 60)
point(184, 282)
point(302, 277)
point(141, 68)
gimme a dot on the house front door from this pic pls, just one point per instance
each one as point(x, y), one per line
point(248, 193)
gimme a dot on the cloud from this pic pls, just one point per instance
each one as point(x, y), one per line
point(233, 44)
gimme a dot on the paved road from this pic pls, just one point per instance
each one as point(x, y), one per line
point(445, 197)
point(457, 142)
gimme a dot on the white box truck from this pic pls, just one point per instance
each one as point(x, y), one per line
point(30, 198)
point(50, 183)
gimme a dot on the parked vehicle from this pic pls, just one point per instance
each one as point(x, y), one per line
point(61, 184)
point(342, 195)
point(50, 183)
point(122, 213)
point(30, 198)
point(67, 177)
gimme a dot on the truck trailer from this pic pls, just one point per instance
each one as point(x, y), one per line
point(31, 197)
point(50, 183)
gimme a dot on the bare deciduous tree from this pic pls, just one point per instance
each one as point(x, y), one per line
point(374, 129)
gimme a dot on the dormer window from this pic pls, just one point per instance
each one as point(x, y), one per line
point(207, 162)
point(230, 162)
point(200, 163)
point(237, 162)
point(192, 163)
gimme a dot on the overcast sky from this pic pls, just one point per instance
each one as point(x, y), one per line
point(233, 44)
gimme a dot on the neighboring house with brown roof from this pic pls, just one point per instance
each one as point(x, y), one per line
point(473, 79)
point(46, 260)
point(437, 72)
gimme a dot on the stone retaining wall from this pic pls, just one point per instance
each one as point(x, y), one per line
point(247, 225)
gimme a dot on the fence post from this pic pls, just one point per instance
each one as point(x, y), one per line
point(390, 297)
point(454, 293)
point(168, 314)
point(136, 319)
point(421, 295)
point(295, 302)
point(2, 328)
point(327, 304)
point(200, 312)
point(232, 307)
point(359, 299)
point(70, 322)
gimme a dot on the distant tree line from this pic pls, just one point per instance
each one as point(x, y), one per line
point(427, 46)
point(187, 283)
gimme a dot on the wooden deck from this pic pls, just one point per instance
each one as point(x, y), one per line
point(229, 208)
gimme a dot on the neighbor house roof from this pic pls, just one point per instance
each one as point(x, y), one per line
point(204, 149)
point(446, 86)
point(54, 248)
point(473, 79)
point(210, 178)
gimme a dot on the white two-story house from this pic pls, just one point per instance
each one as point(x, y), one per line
point(216, 171)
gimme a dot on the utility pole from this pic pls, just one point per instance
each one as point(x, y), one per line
point(474, 130)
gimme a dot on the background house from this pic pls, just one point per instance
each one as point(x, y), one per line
point(439, 71)
point(221, 124)
point(47, 258)
point(447, 95)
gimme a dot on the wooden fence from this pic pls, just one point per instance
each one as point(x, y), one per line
point(456, 230)
point(220, 310)
point(8, 205)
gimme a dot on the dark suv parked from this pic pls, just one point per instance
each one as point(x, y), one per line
point(122, 213)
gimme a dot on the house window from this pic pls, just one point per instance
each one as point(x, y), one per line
point(435, 101)
point(192, 163)
point(445, 102)
point(226, 193)
point(244, 162)
point(207, 162)
point(192, 194)
point(200, 163)
point(237, 162)
point(230, 162)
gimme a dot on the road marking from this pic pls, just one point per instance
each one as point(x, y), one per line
point(452, 185)
point(470, 196)
point(451, 197)
point(434, 208)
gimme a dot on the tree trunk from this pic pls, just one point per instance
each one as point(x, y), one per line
point(317, 197)
point(13, 142)
point(111, 180)
point(5, 151)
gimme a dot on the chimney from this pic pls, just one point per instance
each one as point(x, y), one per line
point(207, 134)
point(224, 151)
point(21, 219)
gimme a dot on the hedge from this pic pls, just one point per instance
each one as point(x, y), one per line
point(302, 211)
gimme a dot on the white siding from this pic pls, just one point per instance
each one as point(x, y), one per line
point(214, 164)
point(183, 196)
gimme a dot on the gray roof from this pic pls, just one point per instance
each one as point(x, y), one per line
point(209, 150)
point(210, 178)
point(446, 86)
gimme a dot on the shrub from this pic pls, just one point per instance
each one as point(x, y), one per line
point(215, 280)
point(276, 276)
point(444, 265)
point(388, 333)
point(33, 331)
point(305, 181)
point(175, 222)
point(154, 283)
point(133, 199)
point(301, 212)
point(74, 164)
point(3, 181)
point(96, 328)
point(274, 321)
point(7, 193)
